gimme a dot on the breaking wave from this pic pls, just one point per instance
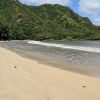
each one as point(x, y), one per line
point(63, 46)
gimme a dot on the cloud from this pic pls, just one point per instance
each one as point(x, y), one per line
point(97, 21)
point(40, 2)
point(89, 6)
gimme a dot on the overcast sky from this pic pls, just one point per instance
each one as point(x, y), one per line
point(87, 8)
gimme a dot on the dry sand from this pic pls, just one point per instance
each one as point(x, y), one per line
point(25, 79)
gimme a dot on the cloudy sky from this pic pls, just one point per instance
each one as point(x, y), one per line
point(87, 8)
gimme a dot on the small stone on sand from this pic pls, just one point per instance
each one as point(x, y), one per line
point(84, 86)
point(15, 67)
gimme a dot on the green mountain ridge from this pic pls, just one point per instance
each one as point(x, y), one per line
point(44, 22)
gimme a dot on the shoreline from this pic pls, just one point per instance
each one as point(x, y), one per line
point(47, 60)
point(25, 79)
point(53, 62)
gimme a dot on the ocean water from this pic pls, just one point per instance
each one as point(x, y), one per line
point(79, 52)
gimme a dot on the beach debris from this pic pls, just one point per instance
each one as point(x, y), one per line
point(84, 86)
point(15, 66)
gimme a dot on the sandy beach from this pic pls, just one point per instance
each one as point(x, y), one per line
point(26, 79)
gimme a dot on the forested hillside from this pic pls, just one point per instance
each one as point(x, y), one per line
point(47, 21)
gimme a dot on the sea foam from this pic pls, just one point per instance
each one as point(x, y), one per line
point(63, 46)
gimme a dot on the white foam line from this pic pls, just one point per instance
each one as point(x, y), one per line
point(82, 48)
